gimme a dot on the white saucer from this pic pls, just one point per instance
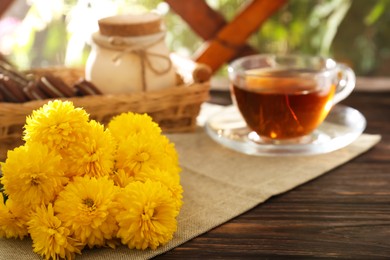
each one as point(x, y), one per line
point(342, 126)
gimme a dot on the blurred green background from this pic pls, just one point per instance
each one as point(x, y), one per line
point(38, 33)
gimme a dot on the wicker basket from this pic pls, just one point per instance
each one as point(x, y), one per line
point(175, 109)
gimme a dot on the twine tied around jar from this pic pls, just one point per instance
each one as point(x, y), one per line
point(126, 45)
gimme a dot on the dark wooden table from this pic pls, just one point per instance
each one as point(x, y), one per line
point(343, 214)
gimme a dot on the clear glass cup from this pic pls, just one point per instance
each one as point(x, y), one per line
point(284, 98)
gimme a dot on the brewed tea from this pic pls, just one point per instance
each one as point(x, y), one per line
point(282, 104)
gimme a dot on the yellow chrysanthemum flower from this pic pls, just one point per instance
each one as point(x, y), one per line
point(50, 238)
point(32, 175)
point(170, 180)
point(141, 153)
point(13, 219)
point(57, 124)
point(130, 124)
point(94, 156)
point(148, 218)
point(85, 206)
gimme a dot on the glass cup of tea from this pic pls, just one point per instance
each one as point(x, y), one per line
point(284, 98)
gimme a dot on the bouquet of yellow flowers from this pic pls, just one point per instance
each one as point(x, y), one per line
point(75, 183)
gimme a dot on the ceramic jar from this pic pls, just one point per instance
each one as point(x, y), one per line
point(129, 55)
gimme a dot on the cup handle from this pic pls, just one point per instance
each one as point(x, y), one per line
point(346, 83)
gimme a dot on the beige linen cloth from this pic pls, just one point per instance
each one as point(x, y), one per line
point(219, 184)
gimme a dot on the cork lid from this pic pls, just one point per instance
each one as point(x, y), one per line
point(131, 25)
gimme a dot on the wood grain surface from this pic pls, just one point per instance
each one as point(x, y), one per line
point(342, 214)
